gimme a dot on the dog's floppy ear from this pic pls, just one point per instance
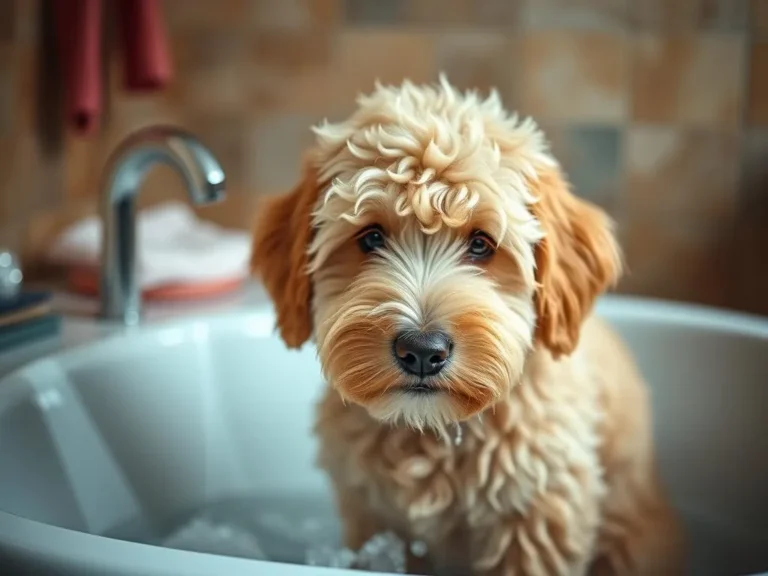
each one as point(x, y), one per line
point(282, 234)
point(577, 260)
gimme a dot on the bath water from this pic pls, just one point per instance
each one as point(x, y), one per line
point(305, 530)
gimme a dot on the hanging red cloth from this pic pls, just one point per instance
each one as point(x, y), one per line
point(146, 60)
point(79, 39)
point(147, 64)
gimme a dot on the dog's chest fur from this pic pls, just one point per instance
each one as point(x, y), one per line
point(529, 464)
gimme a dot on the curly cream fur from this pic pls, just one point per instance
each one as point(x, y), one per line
point(555, 474)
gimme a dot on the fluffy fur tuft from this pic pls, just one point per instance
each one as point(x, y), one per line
point(476, 236)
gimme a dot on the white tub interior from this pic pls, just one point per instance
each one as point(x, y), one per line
point(131, 436)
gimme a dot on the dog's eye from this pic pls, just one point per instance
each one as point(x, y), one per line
point(480, 246)
point(370, 239)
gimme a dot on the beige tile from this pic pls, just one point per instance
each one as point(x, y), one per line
point(25, 84)
point(573, 76)
point(7, 92)
point(278, 91)
point(239, 210)
point(205, 15)
point(755, 153)
point(84, 164)
point(291, 72)
point(477, 60)
point(682, 177)
point(280, 14)
point(210, 69)
point(575, 14)
point(362, 57)
point(757, 112)
point(132, 112)
point(664, 15)
point(462, 13)
point(35, 183)
point(290, 50)
point(758, 18)
point(26, 21)
point(374, 12)
point(274, 149)
point(751, 278)
point(726, 15)
point(6, 181)
point(685, 263)
point(690, 80)
point(8, 11)
point(294, 15)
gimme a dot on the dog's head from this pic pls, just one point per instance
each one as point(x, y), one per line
point(431, 244)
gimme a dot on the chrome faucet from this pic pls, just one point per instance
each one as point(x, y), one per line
point(126, 169)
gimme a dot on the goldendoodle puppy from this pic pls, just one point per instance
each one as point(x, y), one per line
point(435, 255)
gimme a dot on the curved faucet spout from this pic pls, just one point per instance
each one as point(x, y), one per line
point(126, 170)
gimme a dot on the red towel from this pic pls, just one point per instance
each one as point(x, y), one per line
point(79, 36)
point(147, 64)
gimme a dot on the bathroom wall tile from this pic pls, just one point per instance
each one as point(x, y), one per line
point(39, 179)
point(274, 149)
point(758, 18)
point(7, 85)
point(290, 50)
point(373, 12)
point(26, 21)
point(574, 14)
point(290, 71)
point(691, 80)
point(325, 14)
point(357, 58)
point(277, 91)
point(6, 174)
point(82, 170)
point(673, 16)
point(679, 175)
point(237, 212)
point(477, 60)
point(294, 14)
point(132, 112)
point(7, 21)
point(754, 183)
point(679, 231)
point(573, 76)
point(726, 15)
point(751, 278)
point(464, 13)
point(592, 161)
point(676, 261)
point(24, 63)
point(210, 72)
point(757, 113)
point(664, 15)
point(202, 14)
point(362, 57)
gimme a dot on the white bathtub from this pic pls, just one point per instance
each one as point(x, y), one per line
point(138, 429)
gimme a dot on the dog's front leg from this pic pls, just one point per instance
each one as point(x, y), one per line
point(556, 536)
point(359, 523)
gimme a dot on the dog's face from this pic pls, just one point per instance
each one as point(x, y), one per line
point(431, 244)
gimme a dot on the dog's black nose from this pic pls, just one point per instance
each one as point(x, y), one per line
point(423, 353)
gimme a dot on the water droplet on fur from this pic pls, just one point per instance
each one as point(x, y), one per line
point(457, 438)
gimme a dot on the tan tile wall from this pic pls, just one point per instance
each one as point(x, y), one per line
point(658, 109)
